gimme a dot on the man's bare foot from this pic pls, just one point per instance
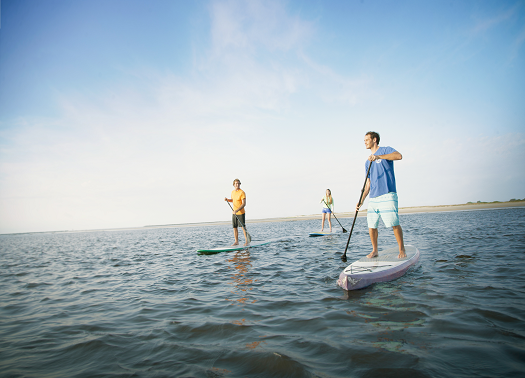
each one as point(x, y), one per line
point(402, 255)
point(236, 243)
point(372, 254)
point(246, 244)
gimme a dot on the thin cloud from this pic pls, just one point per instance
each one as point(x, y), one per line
point(488, 23)
point(518, 43)
point(246, 25)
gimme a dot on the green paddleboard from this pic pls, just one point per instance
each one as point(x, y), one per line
point(231, 248)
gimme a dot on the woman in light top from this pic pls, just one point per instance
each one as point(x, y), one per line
point(328, 208)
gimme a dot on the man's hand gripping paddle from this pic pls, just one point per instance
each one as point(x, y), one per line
point(357, 211)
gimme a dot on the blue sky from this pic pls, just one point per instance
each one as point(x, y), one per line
point(133, 113)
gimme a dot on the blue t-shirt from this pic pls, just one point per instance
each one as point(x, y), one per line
point(382, 179)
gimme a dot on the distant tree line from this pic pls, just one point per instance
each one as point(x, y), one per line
point(512, 200)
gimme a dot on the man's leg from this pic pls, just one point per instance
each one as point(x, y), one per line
point(245, 237)
point(398, 232)
point(373, 238)
point(372, 218)
point(236, 236)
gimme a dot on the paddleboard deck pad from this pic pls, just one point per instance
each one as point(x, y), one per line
point(322, 233)
point(232, 248)
point(385, 267)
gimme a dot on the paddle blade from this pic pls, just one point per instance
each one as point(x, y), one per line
point(248, 238)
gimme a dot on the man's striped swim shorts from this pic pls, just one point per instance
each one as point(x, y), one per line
point(384, 207)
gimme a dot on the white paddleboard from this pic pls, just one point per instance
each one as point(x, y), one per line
point(385, 267)
point(232, 248)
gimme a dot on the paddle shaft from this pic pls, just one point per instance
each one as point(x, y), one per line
point(335, 216)
point(357, 211)
point(248, 237)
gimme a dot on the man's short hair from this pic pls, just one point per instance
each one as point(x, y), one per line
point(236, 180)
point(373, 135)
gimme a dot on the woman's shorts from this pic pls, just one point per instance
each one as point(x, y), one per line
point(235, 222)
point(328, 211)
point(384, 207)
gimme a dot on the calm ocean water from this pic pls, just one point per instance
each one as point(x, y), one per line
point(143, 303)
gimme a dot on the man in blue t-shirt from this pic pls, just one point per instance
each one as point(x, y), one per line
point(381, 185)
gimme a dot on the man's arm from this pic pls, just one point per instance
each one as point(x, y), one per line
point(240, 207)
point(391, 156)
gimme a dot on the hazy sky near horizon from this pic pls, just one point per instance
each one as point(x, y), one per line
point(124, 113)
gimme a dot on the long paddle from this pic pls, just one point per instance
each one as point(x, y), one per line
point(335, 217)
point(357, 211)
point(248, 237)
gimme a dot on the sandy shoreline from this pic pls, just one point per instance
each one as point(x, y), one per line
point(362, 213)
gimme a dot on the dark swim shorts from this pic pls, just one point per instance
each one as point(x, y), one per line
point(235, 222)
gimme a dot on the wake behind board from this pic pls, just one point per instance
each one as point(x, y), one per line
point(232, 248)
point(385, 267)
point(322, 233)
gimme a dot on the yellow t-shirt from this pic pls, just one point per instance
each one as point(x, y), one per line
point(237, 197)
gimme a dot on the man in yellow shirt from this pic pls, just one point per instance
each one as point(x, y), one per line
point(239, 202)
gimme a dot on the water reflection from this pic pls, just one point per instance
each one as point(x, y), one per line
point(242, 289)
point(241, 263)
point(387, 319)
